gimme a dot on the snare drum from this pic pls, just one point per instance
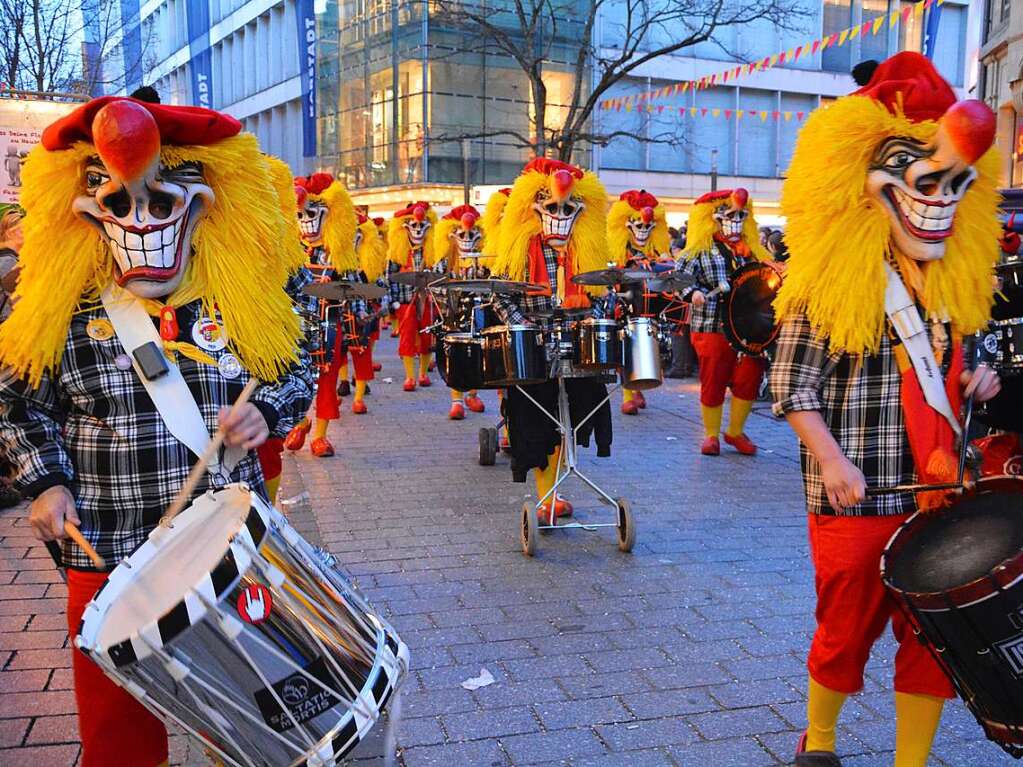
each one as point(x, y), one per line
point(598, 345)
point(460, 361)
point(959, 573)
point(513, 355)
point(228, 624)
point(1003, 341)
point(641, 340)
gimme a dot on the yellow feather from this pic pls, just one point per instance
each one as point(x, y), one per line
point(490, 223)
point(618, 233)
point(339, 227)
point(284, 185)
point(372, 252)
point(398, 247)
point(702, 227)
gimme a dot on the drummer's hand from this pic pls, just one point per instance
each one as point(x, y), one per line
point(48, 512)
point(698, 298)
point(245, 429)
point(983, 383)
point(844, 482)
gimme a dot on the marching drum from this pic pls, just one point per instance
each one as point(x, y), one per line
point(748, 308)
point(598, 345)
point(641, 340)
point(227, 623)
point(513, 355)
point(1003, 342)
point(959, 573)
point(460, 361)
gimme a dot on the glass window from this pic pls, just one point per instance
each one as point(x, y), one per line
point(837, 16)
point(950, 53)
point(911, 31)
point(711, 133)
point(874, 46)
point(756, 136)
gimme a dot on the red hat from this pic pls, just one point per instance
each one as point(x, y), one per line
point(316, 183)
point(547, 166)
point(412, 208)
point(639, 199)
point(178, 125)
point(506, 191)
point(378, 220)
point(461, 211)
point(300, 193)
point(362, 218)
point(909, 81)
point(738, 195)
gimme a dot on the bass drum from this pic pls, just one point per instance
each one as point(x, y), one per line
point(748, 308)
point(958, 573)
point(460, 361)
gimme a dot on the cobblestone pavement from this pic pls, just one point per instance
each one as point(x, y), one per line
point(689, 651)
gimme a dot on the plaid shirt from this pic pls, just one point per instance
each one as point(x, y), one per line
point(859, 398)
point(293, 287)
point(709, 269)
point(521, 312)
point(93, 428)
point(404, 294)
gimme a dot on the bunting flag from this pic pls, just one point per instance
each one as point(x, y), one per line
point(792, 55)
point(763, 115)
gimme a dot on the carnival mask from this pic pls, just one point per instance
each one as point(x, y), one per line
point(416, 226)
point(731, 216)
point(467, 236)
point(641, 228)
point(919, 185)
point(558, 209)
point(145, 210)
point(311, 216)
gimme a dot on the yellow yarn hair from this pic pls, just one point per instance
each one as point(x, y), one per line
point(444, 246)
point(237, 261)
point(339, 227)
point(284, 185)
point(490, 223)
point(521, 223)
point(839, 237)
point(398, 247)
point(702, 227)
point(372, 251)
point(618, 233)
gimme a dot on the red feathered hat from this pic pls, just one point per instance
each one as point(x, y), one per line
point(317, 183)
point(739, 196)
point(547, 166)
point(178, 125)
point(412, 208)
point(463, 212)
point(639, 199)
point(379, 220)
point(909, 81)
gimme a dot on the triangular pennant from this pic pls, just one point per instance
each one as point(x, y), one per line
point(774, 59)
point(739, 113)
point(713, 78)
point(781, 57)
point(693, 111)
point(716, 112)
point(878, 23)
point(842, 37)
point(788, 116)
point(737, 71)
point(703, 112)
point(918, 9)
point(628, 107)
point(928, 4)
point(660, 108)
point(815, 46)
point(892, 18)
point(751, 112)
point(865, 28)
point(799, 50)
point(728, 114)
point(799, 115)
point(763, 116)
point(906, 13)
point(775, 114)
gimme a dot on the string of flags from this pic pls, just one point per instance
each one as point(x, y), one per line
point(642, 101)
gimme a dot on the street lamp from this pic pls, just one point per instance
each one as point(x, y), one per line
point(713, 170)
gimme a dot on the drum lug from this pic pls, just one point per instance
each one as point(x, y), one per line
point(178, 670)
point(230, 625)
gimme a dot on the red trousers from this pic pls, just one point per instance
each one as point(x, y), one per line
point(114, 727)
point(720, 367)
point(269, 454)
point(328, 405)
point(412, 339)
point(853, 607)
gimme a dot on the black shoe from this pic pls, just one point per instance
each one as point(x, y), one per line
point(9, 497)
point(344, 389)
point(814, 758)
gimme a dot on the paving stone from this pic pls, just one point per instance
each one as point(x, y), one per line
point(737, 752)
point(641, 734)
point(474, 725)
point(581, 713)
point(652, 705)
point(731, 724)
point(549, 747)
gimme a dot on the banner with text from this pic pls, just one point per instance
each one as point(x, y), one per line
point(201, 64)
point(306, 15)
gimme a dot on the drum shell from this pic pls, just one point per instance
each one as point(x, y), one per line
point(641, 341)
point(598, 345)
point(1003, 341)
point(975, 629)
point(460, 361)
point(513, 355)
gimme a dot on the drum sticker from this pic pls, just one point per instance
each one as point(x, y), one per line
point(255, 603)
point(304, 698)
point(207, 334)
point(1013, 467)
point(991, 343)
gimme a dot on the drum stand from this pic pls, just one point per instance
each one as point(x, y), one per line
point(568, 466)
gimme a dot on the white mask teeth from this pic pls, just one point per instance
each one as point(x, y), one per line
point(924, 216)
point(156, 248)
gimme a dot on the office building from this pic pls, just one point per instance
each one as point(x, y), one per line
point(1001, 58)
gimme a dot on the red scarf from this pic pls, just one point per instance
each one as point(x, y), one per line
point(575, 296)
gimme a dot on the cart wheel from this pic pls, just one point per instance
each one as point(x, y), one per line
point(488, 447)
point(528, 533)
point(626, 525)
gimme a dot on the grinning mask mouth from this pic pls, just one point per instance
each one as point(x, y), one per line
point(730, 218)
point(557, 217)
point(311, 216)
point(641, 228)
point(467, 235)
point(147, 221)
point(416, 228)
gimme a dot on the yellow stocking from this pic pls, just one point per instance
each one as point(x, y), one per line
point(410, 366)
point(711, 420)
point(304, 423)
point(320, 429)
point(822, 709)
point(271, 487)
point(342, 374)
point(628, 395)
point(456, 396)
point(916, 721)
point(545, 478)
point(360, 390)
point(424, 363)
point(737, 418)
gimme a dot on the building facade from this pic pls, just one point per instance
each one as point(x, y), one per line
point(1001, 58)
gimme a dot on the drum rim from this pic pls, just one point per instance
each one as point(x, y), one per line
point(598, 322)
point(742, 344)
point(185, 613)
point(1006, 323)
point(1002, 576)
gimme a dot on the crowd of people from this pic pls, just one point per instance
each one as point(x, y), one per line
point(189, 262)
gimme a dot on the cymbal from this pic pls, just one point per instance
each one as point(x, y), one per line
point(415, 279)
point(669, 282)
point(633, 275)
point(504, 287)
point(605, 277)
point(342, 290)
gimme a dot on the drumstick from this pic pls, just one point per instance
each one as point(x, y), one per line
point(76, 535)
point(181, 499)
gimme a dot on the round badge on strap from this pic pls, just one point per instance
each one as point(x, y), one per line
point(209, 335)
point(229, 366)
point(99, 330)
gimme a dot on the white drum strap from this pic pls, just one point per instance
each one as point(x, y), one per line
point(913, 333)
point(169, 393)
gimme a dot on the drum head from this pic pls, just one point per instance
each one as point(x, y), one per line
point(950, 549)
point(749, 307)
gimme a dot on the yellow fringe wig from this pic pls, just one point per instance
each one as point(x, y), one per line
point(284, 185)
point(339, 227)
point(237, 262)
point(444, 246)
point(398, 247)
point(521, 223)
point(490, 223)
point(372, 251)
point(839, 237)
point(702, 227)
point(619, 215)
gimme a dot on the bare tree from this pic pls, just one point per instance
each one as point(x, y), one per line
point(12, 23)
point(637, 31)
point(48, 60)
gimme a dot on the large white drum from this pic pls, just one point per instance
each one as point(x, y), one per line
point(228, 624)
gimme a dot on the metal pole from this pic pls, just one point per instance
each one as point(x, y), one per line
point(713, 170)
point(466, 148)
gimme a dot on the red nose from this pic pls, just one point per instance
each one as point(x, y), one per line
point(563, 181)
point(126, 137)
point(740, 197)
point(971, 125)
point(468, 220)
point(419, 213)
point(648, 214)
